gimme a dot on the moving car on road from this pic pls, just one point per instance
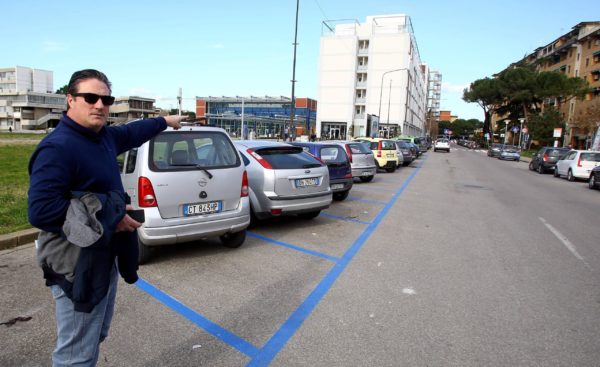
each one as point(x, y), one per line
point(442, 144)
point(510, 153)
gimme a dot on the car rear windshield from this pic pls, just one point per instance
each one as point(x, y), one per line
point(388, 145)
point(288, 158)
point(557, 152)
point(359, 148)
point(333, 154)
point(188, 150)
point(590, 157)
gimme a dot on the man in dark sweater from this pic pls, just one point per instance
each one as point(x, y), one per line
point(78, 157)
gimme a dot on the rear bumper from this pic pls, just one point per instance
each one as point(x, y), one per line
point(177, 230)
point(340, 184)
point(364, 171)
point(290, 206)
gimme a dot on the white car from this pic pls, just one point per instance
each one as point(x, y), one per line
point(577, 164)
point(442, 144)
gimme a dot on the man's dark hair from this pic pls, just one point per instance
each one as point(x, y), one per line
point(82, 75)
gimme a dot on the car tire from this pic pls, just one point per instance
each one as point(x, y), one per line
point(144, 253)
point(592, 182)
point(309, 215)
point(531, 166)
point(341, 196)
point(556, 174)
point(367, 178)
point(390, 169)
point(570, 176)
point(540, 169)
point(233, 240)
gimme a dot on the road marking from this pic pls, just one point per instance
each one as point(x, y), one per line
point(565, 241)
point(274, 345)
point(297, 248)
point(367, 201)
point(199, 320)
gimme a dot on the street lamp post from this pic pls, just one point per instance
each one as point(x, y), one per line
point(506, 130)
point(521, 120)
point(381, 89)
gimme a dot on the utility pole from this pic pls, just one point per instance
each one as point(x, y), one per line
point(293, 109)
point(179, 98)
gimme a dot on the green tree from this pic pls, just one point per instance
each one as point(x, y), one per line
point(63, 90)
point(487, 94)
point(541, 126)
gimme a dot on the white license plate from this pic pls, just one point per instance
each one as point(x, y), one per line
point(366, 173)
point(201, 208)
point(337, 186)
point(304, 182)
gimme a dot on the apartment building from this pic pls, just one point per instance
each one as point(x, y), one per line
point(371, 79)
point(27, 99)
point(577, 54)
point(131, 108)
point(267, 117)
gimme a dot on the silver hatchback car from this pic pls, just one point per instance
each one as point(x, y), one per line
point(191, 184)
point(284, 180)
point(362, 160)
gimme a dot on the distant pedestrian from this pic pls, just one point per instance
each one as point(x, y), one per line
point(10, 129)
point(77, 200)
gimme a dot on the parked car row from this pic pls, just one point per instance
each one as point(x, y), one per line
point(570, 163)
point(504, 152)
point(195, 182)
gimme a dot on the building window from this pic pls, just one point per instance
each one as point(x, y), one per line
point(587, 61)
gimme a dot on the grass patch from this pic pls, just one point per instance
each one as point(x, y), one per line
point(14, 183)
point(22, 136)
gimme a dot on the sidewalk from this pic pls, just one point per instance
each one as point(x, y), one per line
point(19, 238)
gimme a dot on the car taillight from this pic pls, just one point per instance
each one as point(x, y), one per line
point(244, 192)
point(378, 149)
point(545, 157)
point(579, 161)
point(348, 175)
point(263, 162)
point(276, 211)
point(349, 151)
point(146, 196)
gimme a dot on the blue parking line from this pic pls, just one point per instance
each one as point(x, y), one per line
point(200, 321)
point(343, 218)
point(301, 249)
point(368, 201)
point(371, 187)
point(297, 318)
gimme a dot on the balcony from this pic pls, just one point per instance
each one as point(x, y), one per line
point(360, 100)
point(359, 117)
point(363, 51)
point(361, 85)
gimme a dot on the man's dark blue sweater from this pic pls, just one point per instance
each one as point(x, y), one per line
point(76, 159)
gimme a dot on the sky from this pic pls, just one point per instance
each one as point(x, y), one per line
point(152, 48)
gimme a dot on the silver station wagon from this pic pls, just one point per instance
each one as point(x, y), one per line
point(191, 184)
point(284, 180)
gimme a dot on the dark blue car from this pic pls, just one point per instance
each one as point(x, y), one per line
point(340, 171)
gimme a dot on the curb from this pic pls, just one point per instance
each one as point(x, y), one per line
point(19, 238)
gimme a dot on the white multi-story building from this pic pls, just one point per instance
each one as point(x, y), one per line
point(27, 100)
point(371, 79)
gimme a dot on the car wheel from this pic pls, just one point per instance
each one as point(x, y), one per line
point(531, 166)
point(540, 169)
point(144, 253)
point(592, 182)
point(570, 176)
point(340, 196)
point(233, 240)
point(556, 174)
point(392, 169)
point(309, 215)
point(367, 178)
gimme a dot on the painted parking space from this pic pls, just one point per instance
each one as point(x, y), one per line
point(315, 265)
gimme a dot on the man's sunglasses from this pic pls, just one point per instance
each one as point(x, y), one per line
point(92, 98)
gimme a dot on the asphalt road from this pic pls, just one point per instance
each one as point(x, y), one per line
point(457, 260)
